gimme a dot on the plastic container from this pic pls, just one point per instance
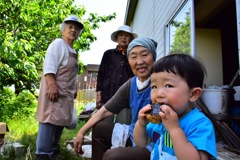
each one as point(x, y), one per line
point(217, 100)
point(237, 93)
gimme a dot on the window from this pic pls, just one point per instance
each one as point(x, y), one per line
point(180, 30)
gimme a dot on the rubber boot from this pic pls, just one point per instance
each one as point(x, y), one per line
point(42, 157)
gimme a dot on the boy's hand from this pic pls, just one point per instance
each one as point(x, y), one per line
point(169, 117)
point(142, 116)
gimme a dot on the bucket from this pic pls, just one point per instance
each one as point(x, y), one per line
point(237, 93)
point(216, 100)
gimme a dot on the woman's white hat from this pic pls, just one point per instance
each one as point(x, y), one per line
point(74, 18)
point(123, 28)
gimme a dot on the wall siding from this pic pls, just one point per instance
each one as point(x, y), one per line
point(150, 19)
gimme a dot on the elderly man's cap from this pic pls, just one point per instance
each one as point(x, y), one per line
point(74, 18)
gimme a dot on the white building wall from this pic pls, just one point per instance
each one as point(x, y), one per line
point(210, 54)
point(150, 19)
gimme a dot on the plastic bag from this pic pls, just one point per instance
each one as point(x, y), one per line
point(90, 106)
point(120, 135)
point(74, 119)
point(87, 151)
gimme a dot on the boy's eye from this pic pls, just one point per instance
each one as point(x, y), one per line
point(153, 87)
point(168, 86)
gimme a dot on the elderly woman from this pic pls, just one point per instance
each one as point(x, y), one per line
point(114, 69)
point(133, 94)
point(57, 89)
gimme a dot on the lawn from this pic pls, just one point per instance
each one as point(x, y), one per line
point(24, 131)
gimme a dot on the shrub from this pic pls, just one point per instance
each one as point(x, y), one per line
point(7, 97)
point(17, 107)
point(25, 105)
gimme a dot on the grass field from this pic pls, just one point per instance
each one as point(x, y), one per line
point(25, 130)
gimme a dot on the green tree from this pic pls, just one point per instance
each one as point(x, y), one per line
point(181, 42)
point(26, 30)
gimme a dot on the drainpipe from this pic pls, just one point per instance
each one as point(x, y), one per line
point(238, 29)
point(193, 37)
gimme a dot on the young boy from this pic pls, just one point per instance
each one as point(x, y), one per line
point(185, 132)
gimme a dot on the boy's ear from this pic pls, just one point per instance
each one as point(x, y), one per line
point(196, 93)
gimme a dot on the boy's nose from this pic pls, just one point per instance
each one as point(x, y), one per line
point(160, 92)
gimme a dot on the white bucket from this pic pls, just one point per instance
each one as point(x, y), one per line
point(237, 93)
point(216, 100)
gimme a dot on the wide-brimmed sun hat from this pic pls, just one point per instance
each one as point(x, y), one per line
point(123, 28)
point(74, 18)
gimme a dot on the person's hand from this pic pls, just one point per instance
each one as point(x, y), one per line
point(98, 100)
point(142, 116)
point(78, 144)
point(98, 104)
point(53, 92)
point(169, 117)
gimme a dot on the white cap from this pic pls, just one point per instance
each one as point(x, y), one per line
point(123, 28)
point(74, 18)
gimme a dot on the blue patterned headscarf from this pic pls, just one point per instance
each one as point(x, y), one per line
point(148, 43)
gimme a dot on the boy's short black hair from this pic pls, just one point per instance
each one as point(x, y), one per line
point(183, 65)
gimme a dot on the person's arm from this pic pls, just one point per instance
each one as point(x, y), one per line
point(99, 115)
point(98, 100)
point(54, 56)
point(120, 100)
point(100, 78)
point(114, 105)
point(52, 87)
point(178, 137)
point(180, 141)
point(140, 136)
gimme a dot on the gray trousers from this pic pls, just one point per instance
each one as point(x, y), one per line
point(101, 144)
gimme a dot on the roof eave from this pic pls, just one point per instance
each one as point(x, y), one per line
point(130, 10)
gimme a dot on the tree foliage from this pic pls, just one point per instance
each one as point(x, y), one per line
point(26, 30)
point(182, 42)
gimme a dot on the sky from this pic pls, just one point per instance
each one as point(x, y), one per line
point(103, 42)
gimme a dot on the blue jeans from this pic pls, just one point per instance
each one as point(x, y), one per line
point(48, 139)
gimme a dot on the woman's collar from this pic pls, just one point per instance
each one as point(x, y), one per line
point(140, 84)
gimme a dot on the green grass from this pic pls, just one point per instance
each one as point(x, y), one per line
point(25, 131)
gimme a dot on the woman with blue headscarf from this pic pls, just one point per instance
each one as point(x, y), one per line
point(133, 94)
